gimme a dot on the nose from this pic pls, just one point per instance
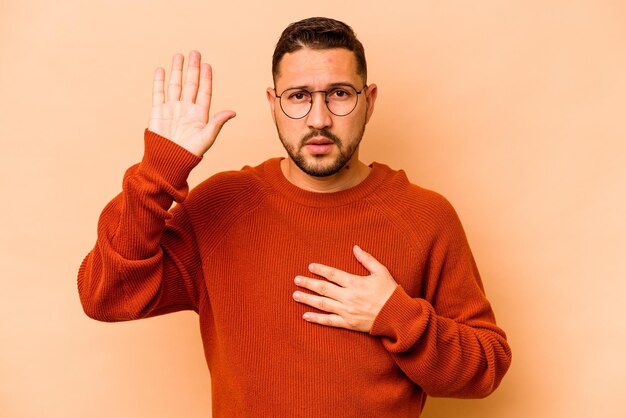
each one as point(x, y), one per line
point(319, 116)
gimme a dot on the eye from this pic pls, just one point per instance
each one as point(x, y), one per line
point(298, 96)
point(339, 94)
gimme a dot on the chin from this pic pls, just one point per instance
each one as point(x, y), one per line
point(321, 166)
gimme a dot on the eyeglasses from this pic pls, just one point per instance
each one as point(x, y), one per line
point(340, 100)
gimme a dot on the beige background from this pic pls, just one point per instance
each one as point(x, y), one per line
point(515, 110)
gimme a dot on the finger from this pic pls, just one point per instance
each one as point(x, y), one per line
point(176, 77)
point(322, 303)
point(214, 127)
point(368, 261)
point(331, 320)
point(205, 88)
point(190, 89)
point(158, 92)
point(321, 287)
point(330, 273)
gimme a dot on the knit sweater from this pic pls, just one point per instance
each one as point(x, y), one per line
point(230, 249)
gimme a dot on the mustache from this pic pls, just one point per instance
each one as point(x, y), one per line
point(320, 132)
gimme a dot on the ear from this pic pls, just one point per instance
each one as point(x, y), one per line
point(271, 99)
point(370, 95)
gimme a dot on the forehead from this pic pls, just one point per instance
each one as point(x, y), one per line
point(317, 68)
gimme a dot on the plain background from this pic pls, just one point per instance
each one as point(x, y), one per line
point(514, 110)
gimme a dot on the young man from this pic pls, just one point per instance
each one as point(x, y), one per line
point(324, 287)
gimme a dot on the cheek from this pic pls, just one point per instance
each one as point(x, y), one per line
point(351, 128)
point(287, 128)
point(286, 125)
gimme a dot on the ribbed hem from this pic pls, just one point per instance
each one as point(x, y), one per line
point(172, 162)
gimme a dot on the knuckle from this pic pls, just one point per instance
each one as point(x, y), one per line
point(352, 323)
point(322, 288)
point(351, 300)
point(351, 311)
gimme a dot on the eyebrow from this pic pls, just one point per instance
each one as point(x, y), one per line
point(331, 85)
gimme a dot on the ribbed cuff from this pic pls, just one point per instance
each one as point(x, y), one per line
point(169, 160)
point(400, 316)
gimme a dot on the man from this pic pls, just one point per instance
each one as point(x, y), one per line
point(324, 287)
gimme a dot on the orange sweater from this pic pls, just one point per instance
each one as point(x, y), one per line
point(230, 251)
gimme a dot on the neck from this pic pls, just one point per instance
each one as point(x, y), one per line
point(349, 176)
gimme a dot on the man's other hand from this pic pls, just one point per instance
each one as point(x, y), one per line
point(351, 301)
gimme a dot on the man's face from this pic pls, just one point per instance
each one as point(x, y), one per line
point(321, 143)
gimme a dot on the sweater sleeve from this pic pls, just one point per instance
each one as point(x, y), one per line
point(145, 261)
point(446, 341)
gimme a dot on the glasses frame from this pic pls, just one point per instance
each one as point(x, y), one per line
point(311, 93)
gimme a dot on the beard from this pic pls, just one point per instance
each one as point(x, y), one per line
point(315, 166)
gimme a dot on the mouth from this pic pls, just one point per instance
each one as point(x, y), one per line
point(319, 140)
point(319, 145)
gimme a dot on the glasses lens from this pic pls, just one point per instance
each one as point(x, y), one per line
point(296, 103)
point(341, 100)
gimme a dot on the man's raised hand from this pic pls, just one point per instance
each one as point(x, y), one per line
point(183, 116)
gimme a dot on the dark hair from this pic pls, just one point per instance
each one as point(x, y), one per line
point(319, 33)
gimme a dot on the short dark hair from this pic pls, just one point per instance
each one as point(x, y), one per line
point(319, 33)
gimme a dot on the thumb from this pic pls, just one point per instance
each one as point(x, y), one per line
point(213, 128)
point(368, 261)
point(217, 121)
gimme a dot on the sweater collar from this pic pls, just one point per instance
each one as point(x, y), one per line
point(277, 181)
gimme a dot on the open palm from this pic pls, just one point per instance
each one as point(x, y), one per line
point(183, 116)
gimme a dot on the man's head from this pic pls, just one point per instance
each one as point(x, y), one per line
point(320, 101)
point(319, 33)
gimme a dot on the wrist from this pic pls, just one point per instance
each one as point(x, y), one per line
point(169, 160)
